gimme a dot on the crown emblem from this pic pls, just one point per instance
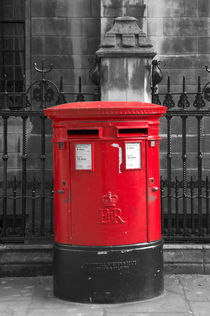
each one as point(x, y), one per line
point(109, 199)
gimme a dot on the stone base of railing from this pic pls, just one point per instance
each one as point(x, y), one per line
point(33, 260)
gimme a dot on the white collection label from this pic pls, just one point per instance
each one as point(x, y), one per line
point(133, 156)
point(83, 156)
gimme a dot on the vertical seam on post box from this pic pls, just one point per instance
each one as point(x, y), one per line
point(70, 203)
point(146, 171)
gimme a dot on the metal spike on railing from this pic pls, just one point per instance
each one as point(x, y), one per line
point(61, 96)
point(14, 187)
point(33, 201)
point(61, 85)
point(168, 84)
point(183, 101)
point(80, 95)
point(5, 83)
point(199, 101)
point(168, 102)
point(5, 93)
point(207, 206)
point(80, 84)
point(199, 84)
point(176, 206)
point(183, 85)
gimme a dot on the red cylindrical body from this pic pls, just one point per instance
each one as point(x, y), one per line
point(106, 173)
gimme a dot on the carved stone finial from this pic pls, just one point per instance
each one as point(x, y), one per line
point(125, 55)
point(125, 37)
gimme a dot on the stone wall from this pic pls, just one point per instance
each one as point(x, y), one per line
point(66, 33)
point(180, 33)
point(111, 9)
point(179, 30)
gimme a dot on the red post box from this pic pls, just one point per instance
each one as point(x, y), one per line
point(108, 244)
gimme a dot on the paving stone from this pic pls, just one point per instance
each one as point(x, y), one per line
point(172, 284)
point(43, 297)
point(7, 310)
point(197, 288)
point(200, 308)
point(34, 297)
point(12, 290)
point(166, 302)
point(147, 314)
point(177, 268)
point(85, 311)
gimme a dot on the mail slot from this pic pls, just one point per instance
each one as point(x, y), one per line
point(108, 245)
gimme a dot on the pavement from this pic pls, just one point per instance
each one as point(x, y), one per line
point(184, 295)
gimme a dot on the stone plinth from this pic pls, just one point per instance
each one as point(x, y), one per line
point(126, 54)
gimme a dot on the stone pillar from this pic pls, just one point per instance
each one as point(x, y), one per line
point(126, 55)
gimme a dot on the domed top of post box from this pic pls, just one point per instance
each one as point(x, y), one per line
point(126, 38)
point(104, 110)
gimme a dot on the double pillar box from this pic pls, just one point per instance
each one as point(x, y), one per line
point(108, 245)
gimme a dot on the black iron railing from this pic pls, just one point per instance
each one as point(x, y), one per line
point(26, 186)
point(185, 187)
point(26, 182)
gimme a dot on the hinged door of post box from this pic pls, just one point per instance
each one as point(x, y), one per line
point(62, 192)
point(108, 192)
point(153, 191)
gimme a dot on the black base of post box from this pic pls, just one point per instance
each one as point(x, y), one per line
point(111, 274)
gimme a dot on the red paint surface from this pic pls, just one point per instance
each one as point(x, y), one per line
point(108, 205)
